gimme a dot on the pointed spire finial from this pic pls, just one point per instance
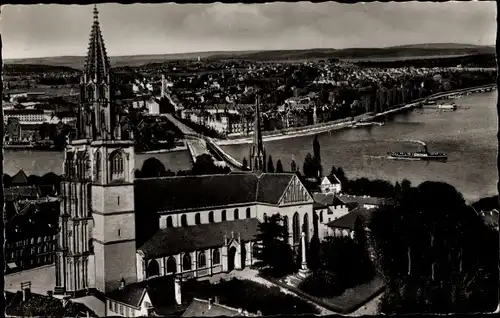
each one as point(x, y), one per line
point(96, 13)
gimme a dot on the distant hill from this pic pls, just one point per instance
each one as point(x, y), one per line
point(387, 53)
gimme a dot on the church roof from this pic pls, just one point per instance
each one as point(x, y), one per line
point(97, 63)
point(20, 178)
point(171, 194)
point(173, 240)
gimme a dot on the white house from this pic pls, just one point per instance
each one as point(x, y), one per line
point(331, 184)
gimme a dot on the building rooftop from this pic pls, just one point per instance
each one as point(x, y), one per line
point(173, 240)
point(362, 200)
point(160, 291)
point(349, 220)
point(205, 308)
point(170, 194)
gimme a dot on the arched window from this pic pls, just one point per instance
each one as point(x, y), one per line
point(285, 227)
point(97, 167)
point(236, 214)
point(223, 215)
point(296, 228)
point(169, 221)
point(186, 262)
point(249, 214)
point(116, 166)
point(265, 217)
point(202, 259)
point(305, 226)
point(211, 217)
point(153, 268)
point(171, 265)
point(197, 219)
point(184, 221)
point(216, 257)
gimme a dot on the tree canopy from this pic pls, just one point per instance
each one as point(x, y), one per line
point(274, 254)
point(435, 251)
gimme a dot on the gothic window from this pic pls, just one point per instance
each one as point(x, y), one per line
point(202, 259)
point(296, 228)
point(184, 221)
point(103, 119)
point(223, 215)
point(249, 214)
point(236, 214)
point(97, 167)
point(171, 265)
point(153, 268)
point(116, 165)
point(169, 221)
point(305, 226)
point(211, 217)
point(285, 226)
point(186, 262)
point(216, 257)
point(197, 219)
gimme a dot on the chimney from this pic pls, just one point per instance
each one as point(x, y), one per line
point(216, 300)
point(26, 294)
point(177, 288)
point(209, 303)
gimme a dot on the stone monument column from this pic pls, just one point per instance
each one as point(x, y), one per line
point(303, 271)
point(304, 260)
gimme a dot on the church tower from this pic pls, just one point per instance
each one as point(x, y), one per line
point(257, 153)
point(97, 240)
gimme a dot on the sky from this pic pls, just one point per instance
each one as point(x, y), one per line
point(57, 30)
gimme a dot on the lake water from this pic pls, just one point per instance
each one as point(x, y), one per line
point(467, 135)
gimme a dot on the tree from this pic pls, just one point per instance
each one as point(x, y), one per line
point(205, 164)
point(426, 243)
point(274, 254)
point(7, 180)
point(152, 168)
point(279, 166)
point(270, 165)
point(245, 163)
point(317, 156)
point(293, 166)
point(309, 166)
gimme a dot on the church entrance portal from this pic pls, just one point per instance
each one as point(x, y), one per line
point(230, 258)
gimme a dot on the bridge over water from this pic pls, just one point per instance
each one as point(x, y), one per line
point(198, 144)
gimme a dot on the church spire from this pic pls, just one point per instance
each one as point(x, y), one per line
point(257, 153)
point(98, 117)
point(97, 63)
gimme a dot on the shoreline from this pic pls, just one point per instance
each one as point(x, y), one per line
point(335, 126)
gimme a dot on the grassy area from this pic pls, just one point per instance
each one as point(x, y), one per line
point(347, 302)
point(249, 296)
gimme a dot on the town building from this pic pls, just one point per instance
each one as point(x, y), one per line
point(30, 219)
point(331, 184)
point(117, 231)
